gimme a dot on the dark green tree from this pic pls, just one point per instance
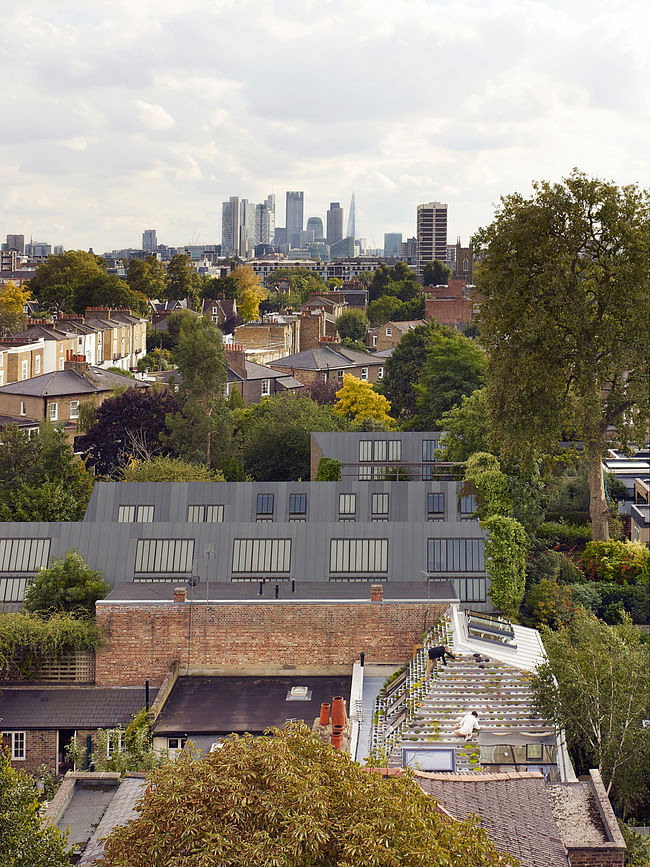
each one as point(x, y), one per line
point(402, 371)
point(352, 325)
point(69, 585)
point(387, 308)
point(147, 276)
point(183, 281)
point(565, 320)
point(57, 281)
point(214, 287)
point(103, 290)
point(436, 273)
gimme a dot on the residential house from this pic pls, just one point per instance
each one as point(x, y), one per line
point(328, 362)
point(387, 336)
point(456, 304)
point(20, 359)
point(276, 336)
point(255, 381)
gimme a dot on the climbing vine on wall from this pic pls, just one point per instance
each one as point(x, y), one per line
point(27, 641)
point(505, 556)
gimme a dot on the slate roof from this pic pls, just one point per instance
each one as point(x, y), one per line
point(120, 811)
point(260, 371)
point(64, 382)
point(323, 357)
point(39, 707)
point(513, 808)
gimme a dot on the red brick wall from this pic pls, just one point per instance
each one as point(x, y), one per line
point(587, 857)
point(40, 749)
point(142, 640)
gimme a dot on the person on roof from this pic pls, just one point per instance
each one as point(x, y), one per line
point(468, 724)
point(437, 653)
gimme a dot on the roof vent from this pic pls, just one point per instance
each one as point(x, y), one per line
point(299, 693)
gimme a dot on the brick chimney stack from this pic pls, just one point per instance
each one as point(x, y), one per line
point(236, 358)
point(180, 594)
point(377, 593)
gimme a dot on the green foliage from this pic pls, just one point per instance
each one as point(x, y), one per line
point(566, 534)
point(27, 641)
point(436, 273)
point(69, 585)
point(273, 438)
point(147, 276)
point(41, 479)
point(164, 468)
point(505, 562)
point(596, 686)
point(352, 324)
point(483, 474)
point(131, 748)
point(550, 604)
point(357, 400)
point(57, 281)
point(638, 846)
point(622, 562)
point(155, 359)
point(565, 319)
point(182, 280)
point(26, 841)
point(384, 309)
point(290, 799)
point(329, 470)
point(466, 428)
point(402, 371)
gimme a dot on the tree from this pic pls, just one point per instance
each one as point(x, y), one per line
point(132, 748)
point(103, 290)
point(595, 686)
point(402, 371)
point(26, 841)
point(274, 436)
point(68, 585)
point(199, 433)
point(128, 425)
point(164, 468)
point(213, 287)
point(249, 292)
point(454, 367)
point(566, 319)
point(483, 473)
point(358, 400)
point(41, 479)
point(58, 280)
point(182, 279)
point(329, 470)
point(147, 276)
point(505, 562)
point(352, 324)
point(12, 309)
point(289, 799)
point(436, 273)
point(384, 309)
point(466, 428)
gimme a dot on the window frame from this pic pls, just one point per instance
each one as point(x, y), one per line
point(15, 735)
point(364, 374)
point(377, 500)
point(343, 551)
point(266, 388)
point(74, 409)
point(347, 506)
point(24, 370)
point(53, 411)
point(434, 514)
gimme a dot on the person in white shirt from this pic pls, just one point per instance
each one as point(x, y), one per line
point(468, 724)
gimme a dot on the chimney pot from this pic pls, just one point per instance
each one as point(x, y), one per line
point(377, 593)
point(180, 594)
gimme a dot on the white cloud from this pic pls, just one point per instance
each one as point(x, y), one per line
point(154, 117)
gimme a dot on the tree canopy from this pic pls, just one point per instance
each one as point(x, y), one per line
point(12, 308)
point(182, 280)
point(68, 585)
point(249, 292)
point(565, 319)
point(436, 273)
point(57, 281)
point(352, 324)
point(290, 799)
point(147, 276)
point(358, 401)
point(164, 468)
point(466, 428)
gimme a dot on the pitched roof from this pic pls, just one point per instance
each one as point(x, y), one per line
point(513, 808)
point(72, 707)
point(63, 382)
point(323, 357)
point(120, 811)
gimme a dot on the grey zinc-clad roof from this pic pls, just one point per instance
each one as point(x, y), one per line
point(73, 707)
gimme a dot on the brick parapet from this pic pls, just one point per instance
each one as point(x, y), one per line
point(142, 640)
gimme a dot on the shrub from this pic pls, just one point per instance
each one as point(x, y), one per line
point(70, 585)
point(566, 533)
point(622, 562)
point(550, 604)
point(329, 470)
point(26, 641)
point(505, 556)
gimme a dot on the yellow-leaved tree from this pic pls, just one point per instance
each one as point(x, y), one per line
point(359, 401)
point(249, 292)
point(12, 309)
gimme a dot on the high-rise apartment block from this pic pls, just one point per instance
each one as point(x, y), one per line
point(149, 241)
point(392, 245)
point(295, 216)
point(265, 221)
point(334, 223)
point(314, 229)
point(432, 234)
point(15, 244)
point(230, 222)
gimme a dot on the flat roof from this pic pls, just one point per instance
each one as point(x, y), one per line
point(220, 705)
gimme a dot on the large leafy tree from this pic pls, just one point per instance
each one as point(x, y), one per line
point(466, 428)
point(596, 686)
point(12, 308)
point(290, 799)
point(128, 425)
point(200, 431)
point(57, 281)
point(454, 367)
point(402, 371)
point(69, 585)
point(26, 841)
point(147, 276)
point(352, 324)
point(182, 280)
point(274, 436)
point(436, 273)
point(250, 292)
point(41, 479)
point(358, 401)
point(566, 319)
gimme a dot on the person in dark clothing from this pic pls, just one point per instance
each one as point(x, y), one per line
point(442, 652)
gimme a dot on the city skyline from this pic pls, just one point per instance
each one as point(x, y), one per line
point(126, 116)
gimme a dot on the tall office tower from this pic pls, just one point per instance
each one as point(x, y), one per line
point(15, 244)
point(270, 203)
point(263, 225)
point(58, 249)
point(295, 211)
point(334, 223)
point(432, 234)
point(392, 245)
point(230, 222)
point(149, 241)
point(352, 220)
point(247, 226)
point(314, 229)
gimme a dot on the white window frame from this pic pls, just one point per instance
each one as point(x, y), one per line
point(113, 742)
point(374, 340)
point(175, 746)
point(53, 411)
point(364, 374)
point(23, 409)
point(380, 373)
point(266, 387)
point(16, 741)
point(37, 365)
point(389, 332)
point(74, 409)
point(24, 370)
point(61, 363)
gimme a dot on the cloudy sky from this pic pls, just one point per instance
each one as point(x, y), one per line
point(118, 115)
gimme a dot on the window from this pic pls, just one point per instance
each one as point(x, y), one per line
point(144, 514)
point(428, 449)
point(125, 514)
point(261, 556)
point(23, 410)
point(374, 340)
point(297, 507)
point(24, 370)
point(37, 365)
point(365, 450)
point(380, 373)
point(455, 555)
point(205, 514)
point(74, 409)
point(266, 387)
point(468, 506)
point(264, 507)
point(164, 555)
point(80, 341)
point(435, 507)
point(323, 376)
point(347, 507)
point(380, 450)
point(23, 555)
point(175, 745)
point(380, 507)
point(394, 450)
point(339, 379)
point(359, 555)
point(389, 331)
point(61, 363)
point(364, 373)
point(54, 411)
point(2, 377)
point(113, 742)
point(15, 743)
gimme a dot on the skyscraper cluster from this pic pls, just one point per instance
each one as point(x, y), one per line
point(245, 224)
